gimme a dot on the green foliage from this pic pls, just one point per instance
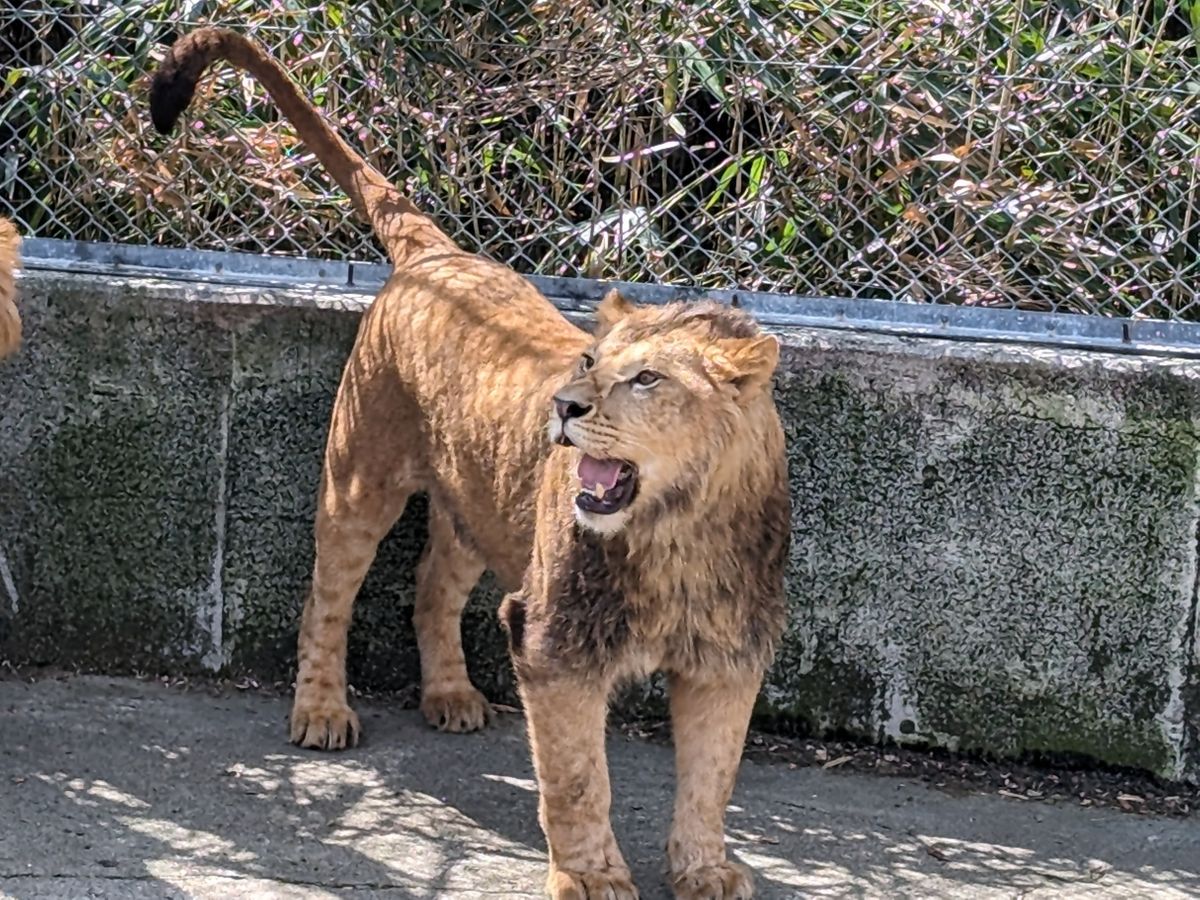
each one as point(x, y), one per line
point(1020, 152)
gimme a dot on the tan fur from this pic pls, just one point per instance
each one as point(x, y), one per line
point(10, 260)
point(448, 390)
point(690, 583)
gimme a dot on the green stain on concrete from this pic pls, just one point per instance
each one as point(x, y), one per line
point(1012, 580)
point(818, 691)
point(286, 368)
point(994, 548)
point(108, 497)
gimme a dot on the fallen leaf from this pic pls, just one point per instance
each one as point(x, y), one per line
point(936, 852)
point(762, 839)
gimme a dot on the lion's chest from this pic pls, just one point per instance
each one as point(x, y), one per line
point(616, 609)
point(688, 614)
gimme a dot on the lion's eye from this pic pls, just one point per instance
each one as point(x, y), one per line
point(586, 362)
point(646, 378)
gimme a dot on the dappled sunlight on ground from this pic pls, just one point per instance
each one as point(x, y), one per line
point(180, 794)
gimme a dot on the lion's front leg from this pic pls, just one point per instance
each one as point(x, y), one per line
point(709, 719)
point(566, 731)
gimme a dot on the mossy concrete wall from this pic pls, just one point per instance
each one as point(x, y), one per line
point(995, 546)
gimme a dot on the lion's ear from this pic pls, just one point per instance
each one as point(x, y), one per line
point(612, 309)
point(745, 362)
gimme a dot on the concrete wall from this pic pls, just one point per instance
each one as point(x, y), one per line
point(995, 547)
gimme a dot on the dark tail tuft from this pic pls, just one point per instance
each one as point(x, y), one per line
point(170, 93)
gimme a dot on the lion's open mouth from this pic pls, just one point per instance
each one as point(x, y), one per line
point(609, 485)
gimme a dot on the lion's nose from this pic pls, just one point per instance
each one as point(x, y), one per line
point(569, 409)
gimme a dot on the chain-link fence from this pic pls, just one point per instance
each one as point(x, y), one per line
point(1000, 152)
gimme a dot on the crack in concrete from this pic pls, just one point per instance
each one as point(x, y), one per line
point(9, 584)
point(1188, 687)
point(216, 657)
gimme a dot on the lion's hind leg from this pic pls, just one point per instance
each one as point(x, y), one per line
point(448, 571)
point(346, 544)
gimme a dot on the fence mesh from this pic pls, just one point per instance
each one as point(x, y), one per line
point(997, 152)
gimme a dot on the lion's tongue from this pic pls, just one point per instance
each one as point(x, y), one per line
point(594, 472)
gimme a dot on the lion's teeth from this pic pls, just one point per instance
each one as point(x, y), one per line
point(599, 491)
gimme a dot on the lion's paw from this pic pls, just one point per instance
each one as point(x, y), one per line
point(461, 710)
point(602, 884)
point(324, 726)
point(727, 881)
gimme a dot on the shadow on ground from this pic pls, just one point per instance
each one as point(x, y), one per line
point(127, 789)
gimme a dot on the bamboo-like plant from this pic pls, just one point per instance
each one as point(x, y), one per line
point(1009, 152)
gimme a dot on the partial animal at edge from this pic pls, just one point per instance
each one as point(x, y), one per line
point(10, 261)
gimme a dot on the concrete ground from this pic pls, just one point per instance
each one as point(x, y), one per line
point(127, 789)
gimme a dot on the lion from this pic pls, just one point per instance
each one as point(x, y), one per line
point(647, 531)
point(10, 260)
point(660, 540)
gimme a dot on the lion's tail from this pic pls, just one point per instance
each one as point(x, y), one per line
point(10, 316)
point(389, 212)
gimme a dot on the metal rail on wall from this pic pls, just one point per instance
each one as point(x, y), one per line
point(1136, 336)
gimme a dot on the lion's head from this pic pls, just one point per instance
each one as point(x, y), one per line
point(662, 398)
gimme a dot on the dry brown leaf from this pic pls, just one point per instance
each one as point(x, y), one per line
point(896, 172)
point(936, 852)
point(914, 213)
point(1004, 792)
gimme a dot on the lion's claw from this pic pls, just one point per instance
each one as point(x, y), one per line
point(603, 884)
point(328, 726)
point(461, 710)
point(727, 881)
